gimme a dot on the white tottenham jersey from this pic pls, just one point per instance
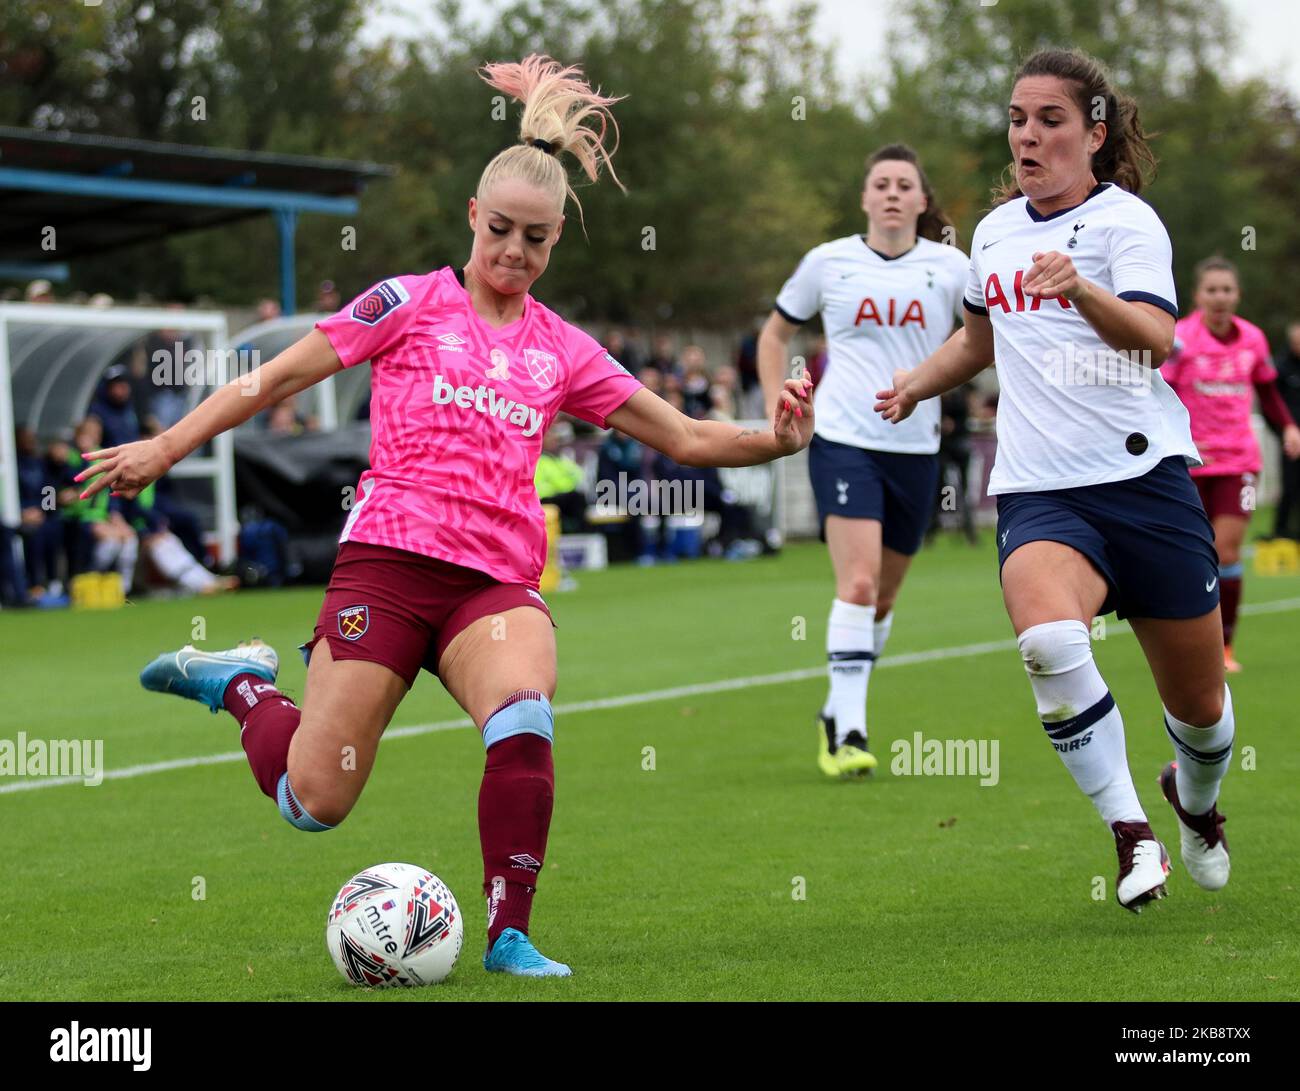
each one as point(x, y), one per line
point(1071, 410)
point(881, 315)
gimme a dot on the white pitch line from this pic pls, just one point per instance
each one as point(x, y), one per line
point(723, 685)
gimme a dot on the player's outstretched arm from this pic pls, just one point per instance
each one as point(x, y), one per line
point(958, 360)
point(649, 419)
point(773, 351)
point(129, 469)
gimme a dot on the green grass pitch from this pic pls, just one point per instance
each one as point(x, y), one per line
point(677, 882)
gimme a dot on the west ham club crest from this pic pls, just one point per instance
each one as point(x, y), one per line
point(542, 367)
point(353, 622)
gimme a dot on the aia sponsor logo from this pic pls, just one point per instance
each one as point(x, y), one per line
point(996, 296)
point(894, 313)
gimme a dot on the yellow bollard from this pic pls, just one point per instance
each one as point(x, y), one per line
point(97, 591)
point(551, 573)
point(112, 595)
point(1278, 557)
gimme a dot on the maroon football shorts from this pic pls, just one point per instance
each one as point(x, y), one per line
point(1227, 494)
point(402, 609)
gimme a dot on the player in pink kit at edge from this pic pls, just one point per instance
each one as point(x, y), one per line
point(1220, 363)
point(447, 541)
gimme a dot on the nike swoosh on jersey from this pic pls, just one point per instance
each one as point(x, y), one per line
point(988, 244)
point(1210, 586)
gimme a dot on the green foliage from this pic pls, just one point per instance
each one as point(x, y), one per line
point(740, 147)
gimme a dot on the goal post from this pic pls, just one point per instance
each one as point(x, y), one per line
point(52, 357)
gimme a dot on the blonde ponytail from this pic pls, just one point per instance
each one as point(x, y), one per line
point(558, 103)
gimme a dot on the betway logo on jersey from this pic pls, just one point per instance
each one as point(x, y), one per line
point(994, 296)
point(485, 400)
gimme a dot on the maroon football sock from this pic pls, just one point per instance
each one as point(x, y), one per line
point(267, 721)
point(1229, 600)
point(514, 817)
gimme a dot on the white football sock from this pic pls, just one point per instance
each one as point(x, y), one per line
point(849, 655)
point(1203, 755)
point(1080, 716)
point(177, 565)
point(880, 633)
point(117, 554)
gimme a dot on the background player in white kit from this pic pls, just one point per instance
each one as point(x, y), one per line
point(887, 300)
point(1071, 289)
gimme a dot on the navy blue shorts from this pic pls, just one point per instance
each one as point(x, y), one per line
point(896, 489)
point(1149, 538)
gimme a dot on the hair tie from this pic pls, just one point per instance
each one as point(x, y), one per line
point(545, 145)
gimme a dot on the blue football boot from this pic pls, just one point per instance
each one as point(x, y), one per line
point(514, 953)
point(203, 676)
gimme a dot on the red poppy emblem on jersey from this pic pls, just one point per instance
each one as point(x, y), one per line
point(353, 622)
point(542, 366)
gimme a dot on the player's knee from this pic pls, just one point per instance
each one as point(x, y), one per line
point(524, 712)
point(1055, 647)
point(858, 588)
point(309, 803)
point(1204, 709)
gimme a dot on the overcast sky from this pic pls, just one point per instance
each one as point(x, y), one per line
point(1269, 29)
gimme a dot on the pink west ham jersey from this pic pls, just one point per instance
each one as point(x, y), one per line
point(1215, 380)
point(458, 410)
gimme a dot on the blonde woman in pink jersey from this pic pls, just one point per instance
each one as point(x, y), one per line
point(1220, 363)
point(445, 545)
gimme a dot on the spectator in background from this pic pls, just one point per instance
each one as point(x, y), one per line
point(113, 544)
point(664, 354)
point(13, 588)
point(747, 360)
point(559, 479)
point(620, 458)
point(652, 379)
point(623, 350)
point(284, 419)
point(180, 520)
point(328, 299)
point(113, 408)
point(267, 310)
point(145, 382)
point(62, 464)
point(722, 403)
point(39, 291)
point(1286, 523)
point(954, 461)
point(619, 454)
point(165, 359)
point(695, 381)
point(40, 525)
